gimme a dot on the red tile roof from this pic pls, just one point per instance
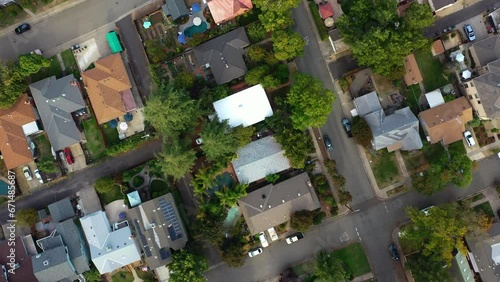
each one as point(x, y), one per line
point(225, 10)
point(326, 10)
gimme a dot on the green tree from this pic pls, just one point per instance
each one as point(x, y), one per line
point(428, 269)
point(230, 196)
point(476, 122)
point(379, 38)
point(232, 252)
point(104, 185)
point(345, 197)
point(209, 95)
point(338, 180)
point(256, 32)
point(459, 165)
point(219, 141)
point(244, 135)
point(32, 63)
point(287, 44)
point(155, 51)
point(297, 145)
point(273, 178)
point(184, 80)
point(270, 82)
point(92, 275)
point(12, 85)
point(301, 220)
point(187, 266)
point(276, 5)
point(171, 111)
point(310, 103)
point(256, 53)
point(276, 20)
point(329, 268)
point(47, 164)
point(209, 224)
point(176, 159)
point(255, 75)
point(27, 217)
point(361, 132)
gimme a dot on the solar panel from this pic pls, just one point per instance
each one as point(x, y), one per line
point(144, 242)
point(168, 211)
point(165, 253)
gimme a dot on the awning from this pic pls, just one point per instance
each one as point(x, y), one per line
point(114, 42)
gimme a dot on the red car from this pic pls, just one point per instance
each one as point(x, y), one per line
point(69, 156)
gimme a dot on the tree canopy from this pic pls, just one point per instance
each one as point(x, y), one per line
point(31, 64)
point(310, 102)
point(105, 184)
point(428, 269)
point(301, 220)
point(176, 159)
point(228, 196)
point(287, 44)
point(187, 266)
point(329, 268)
point(361, 131)
point(379, 38)
point(219, 140)
point(27, 216)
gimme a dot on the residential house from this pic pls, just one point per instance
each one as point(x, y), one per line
point(76, 245)
point(6, 2)
point(325, 9)
point(438, 5)
point(259, 159)
point(485, 253)
point(434, 98)
point(56, 100)
point(485, 51)
point(159, 227)
point(412, 72)
point(483, 93)
point(109, 89)
point(111, 246)
point(61, 210)
point(176, 9)
point(398, 131)
point(273, 204)
point(446, 123)
point(460, 268)
point(53, 263)
point(22, 268)
point(16, 123)
point(225, 10)
point(245, 108)
point(224, 55)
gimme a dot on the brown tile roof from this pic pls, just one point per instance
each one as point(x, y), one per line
point(438, 47)
point(13, 144)
point(224, 10)
point(105, 84)
point(447, 122)
point(412, 75)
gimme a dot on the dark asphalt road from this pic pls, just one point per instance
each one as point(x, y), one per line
point(437, 28)
point(85, 178)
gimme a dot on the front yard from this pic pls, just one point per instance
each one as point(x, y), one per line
point(431, 69)
point(53, 69)
point(385, 168)
point(70, 63)
point(45, 160)
point(486, 209)
point(95, 144)
point(111, 196)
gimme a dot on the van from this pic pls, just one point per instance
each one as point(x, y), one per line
point(272, 234)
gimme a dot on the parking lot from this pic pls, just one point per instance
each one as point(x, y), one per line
point(477, 25)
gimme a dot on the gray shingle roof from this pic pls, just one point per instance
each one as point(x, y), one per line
point(487, 50)
point(61, 210)
point(55, 100)
point(53, 263)
point(438, 4)
point(258, 159)
point(367, 103)
point(152, 229)
point(175, 8)
point(488, 89)
point(224, 54)
point(76, 244)
point(273, 204)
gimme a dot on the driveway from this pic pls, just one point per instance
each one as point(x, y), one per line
point(477, 25)
point(342, 65)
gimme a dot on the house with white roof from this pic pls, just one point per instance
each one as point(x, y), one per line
point(111, 246)
point(246, 107)
point(434, 98)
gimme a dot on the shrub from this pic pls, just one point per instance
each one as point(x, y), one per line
point(330, 200)
point(475, 122)
point(301, 220)
point(256, 32)
point(273, 178)
point(256, 53)
point(318, 218)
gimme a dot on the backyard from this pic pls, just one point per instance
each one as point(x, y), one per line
point(110, 135)
point(123, 276)
point(70, 63)
point(385, 168)
point(413, 93)
point(431, 69)
point(95, 145)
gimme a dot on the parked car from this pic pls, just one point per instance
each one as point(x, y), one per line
point(22, 28)
point(69, 156)
point(255, 252)
point(294, 238)
point(469, 138)
point(328, 142)
point(469, 32)
point(347, 126)
point(27, 173)
point(394, 252)
point(263, 240)
point(38, 176)
point(272, 234)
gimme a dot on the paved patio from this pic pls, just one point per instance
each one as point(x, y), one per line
point(135, 126)
point(114, 209)
point(194, 15)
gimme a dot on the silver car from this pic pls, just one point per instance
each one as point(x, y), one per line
point(255, 252)
point(27, 173)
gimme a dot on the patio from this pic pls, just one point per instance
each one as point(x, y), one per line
point(192, 16)
point(134, 126)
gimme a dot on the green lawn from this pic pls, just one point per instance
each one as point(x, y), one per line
point(53, 69)
point(123, 276)
point(11, 14)
point(45, 159)
point(385, 168)
point(113, 195)
point(354, 259)
point(413, 93)
point(323, 33)
point(407, 246)
point(95, 144)
point(485, 208)
point(110, 135)
point(431, 69)
point(70, 63)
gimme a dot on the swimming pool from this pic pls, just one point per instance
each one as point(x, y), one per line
point(192, 30)
point(232, 215)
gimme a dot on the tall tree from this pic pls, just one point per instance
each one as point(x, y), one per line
point(256, 53)
point(428, 269)
point(27, 217)
point(345, 198)
point(310, 102)
point(230, 196)
point(32, 63)
point(156, 51)
point(362, 132)
point(301, 220)
point(176, 159)
point(329, 268)
point(297, 145)
point(379, 38)
point(276, 20)
point(287, 44)
point(255, 75)
point(244, 135)
point(219, 140)
point(12, 85)
point(184, 80)
point(276, 5)
point(187, 266)
point(171, 111)
point(232, 252)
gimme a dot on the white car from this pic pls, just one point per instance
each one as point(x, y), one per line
point(263, 240)
point(272, 234)
point(469, 138)
point(294, 238)
point(27, 173)
point(426, 210)
point(38, 176)
point(255, 252)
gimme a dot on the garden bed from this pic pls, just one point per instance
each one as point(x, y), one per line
point(482, 136)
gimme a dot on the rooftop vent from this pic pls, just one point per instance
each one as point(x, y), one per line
point(263, 196)
point(46, 262)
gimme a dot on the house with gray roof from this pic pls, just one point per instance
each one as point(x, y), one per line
point(175, 8)
point(224, 55)
point(56, 100)
point(6, 2)
point(75, 243)
point(111, 246)
point(159, 228)
point(259, 159)
point(486, 51)
point(483, 93)
point(273, 204)
point(53, 263)
point(437, 5)
point(61, 210)
point(484, 253)
point(398, 131)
